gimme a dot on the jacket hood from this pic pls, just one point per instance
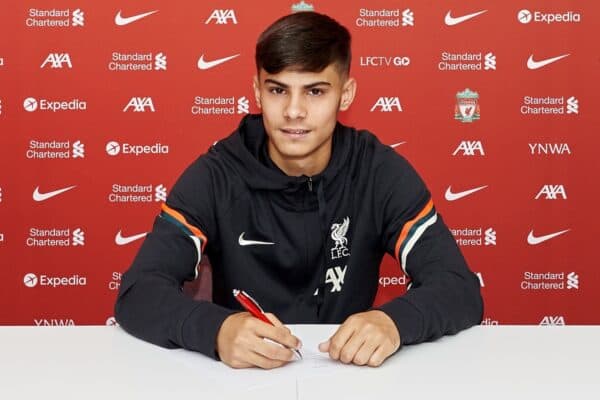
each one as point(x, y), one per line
point(246, 151)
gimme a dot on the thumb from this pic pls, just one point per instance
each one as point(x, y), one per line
point(324, 347)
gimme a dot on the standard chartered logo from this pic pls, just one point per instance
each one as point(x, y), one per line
point(78, 150)
point(243, 105)
point(490, 61)
point(160, 193)
point(78, 18)
point(490, 237)
point(160, 62)
point(572, 281)
point(78, 237)
point(30, 280)
point(572, 105)
point(408, 18)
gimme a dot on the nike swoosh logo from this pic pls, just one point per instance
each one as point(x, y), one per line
point(37, 196)
point(532, 64)
point(459, 195)
point(122, 21)
point(393, 146)
point(244, 242)
point(449, 20)
point(123, 240)
point(210, 64)
point(533, 240)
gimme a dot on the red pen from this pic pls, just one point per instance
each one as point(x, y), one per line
point(255, 309)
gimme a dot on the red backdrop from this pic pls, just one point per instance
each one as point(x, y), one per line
point(112, 108)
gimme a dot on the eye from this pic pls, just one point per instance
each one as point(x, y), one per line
point(277, 90)
point(315, 92)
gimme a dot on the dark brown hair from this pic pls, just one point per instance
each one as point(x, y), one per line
point(304, 41)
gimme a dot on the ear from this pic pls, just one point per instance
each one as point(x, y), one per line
point(348, 93)
point(256, 86)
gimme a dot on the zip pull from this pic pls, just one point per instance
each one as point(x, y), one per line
point(309, 182)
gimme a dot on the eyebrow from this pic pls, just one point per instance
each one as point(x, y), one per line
point(309, 86)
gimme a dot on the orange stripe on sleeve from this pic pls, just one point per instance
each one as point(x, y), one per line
point(197, 232)
point(408, 225)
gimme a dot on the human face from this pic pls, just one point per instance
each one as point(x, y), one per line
point(299, 113)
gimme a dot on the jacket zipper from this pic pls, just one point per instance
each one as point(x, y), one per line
point(309, 182)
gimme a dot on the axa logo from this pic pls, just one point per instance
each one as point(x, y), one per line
point(553, 320)
point(57, 60)
point(552, 192)
point(470, 148)
point(338, 234)
point(140, 104)
point(387, 104)
point(221, 17)
point(335, 276)
point(549, 148)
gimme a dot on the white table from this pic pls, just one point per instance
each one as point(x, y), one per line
point(480, 363)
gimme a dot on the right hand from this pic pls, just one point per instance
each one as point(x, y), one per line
point(241, 344)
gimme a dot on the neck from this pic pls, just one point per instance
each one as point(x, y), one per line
point(305, 165)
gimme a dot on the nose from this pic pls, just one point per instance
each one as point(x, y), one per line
point(295, 107)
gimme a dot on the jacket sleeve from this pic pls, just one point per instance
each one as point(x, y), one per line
point(151, 304)
point(443, 296)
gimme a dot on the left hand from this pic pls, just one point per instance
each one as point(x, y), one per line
point(366, 338)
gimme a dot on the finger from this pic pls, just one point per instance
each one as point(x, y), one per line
point(363, 355)
point(273, 350)
point(274, 319)
point(351, 348)
point(379, 356)
point(259, 360)
point(339, 339)
point(324, 347)
point(279, 334)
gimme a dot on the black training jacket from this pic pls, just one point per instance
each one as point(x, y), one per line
point(307, 249)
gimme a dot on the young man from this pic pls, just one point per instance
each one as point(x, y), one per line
point(298, 210)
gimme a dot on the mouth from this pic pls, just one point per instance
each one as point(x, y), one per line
point(295, 132)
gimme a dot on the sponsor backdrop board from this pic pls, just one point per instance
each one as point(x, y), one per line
point(103, 104)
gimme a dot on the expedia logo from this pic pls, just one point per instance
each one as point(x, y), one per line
point(114, 148)
point(31, 104)
point(489, 321)
point(526, 16)
point(31, 280)
point(392, 281)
